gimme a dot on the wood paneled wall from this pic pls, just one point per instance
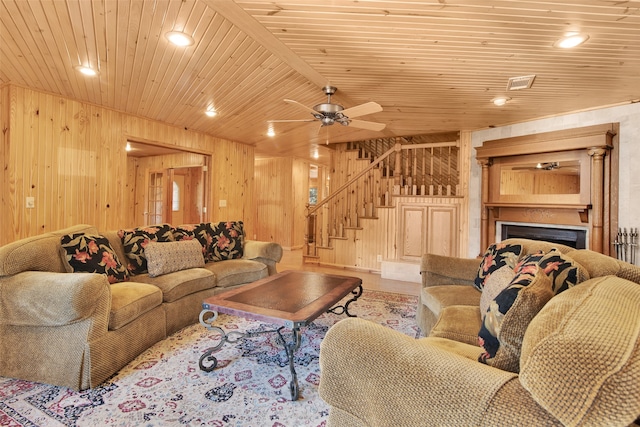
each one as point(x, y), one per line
point(70, 157)
point(282, 192)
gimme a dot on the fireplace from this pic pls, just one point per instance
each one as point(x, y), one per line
point(564, 181)
point(568, 236)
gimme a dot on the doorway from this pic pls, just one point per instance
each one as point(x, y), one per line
point(168, 185)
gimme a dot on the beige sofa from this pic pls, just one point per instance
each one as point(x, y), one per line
point(77, 329)
point(578, 358)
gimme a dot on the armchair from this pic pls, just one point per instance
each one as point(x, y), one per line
point(579, 366)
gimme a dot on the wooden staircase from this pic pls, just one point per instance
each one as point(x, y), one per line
point(353, 224)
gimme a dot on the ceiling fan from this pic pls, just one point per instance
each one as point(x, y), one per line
point(328, 113)
point(547, 166)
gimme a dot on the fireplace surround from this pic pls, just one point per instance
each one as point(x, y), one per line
point(565, 178)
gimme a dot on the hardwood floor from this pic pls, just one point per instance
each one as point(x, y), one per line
point(292, 260)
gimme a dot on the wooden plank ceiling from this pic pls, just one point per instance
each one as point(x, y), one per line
point(434, 66)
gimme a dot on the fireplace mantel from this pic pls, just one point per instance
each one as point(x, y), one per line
point(567, 177)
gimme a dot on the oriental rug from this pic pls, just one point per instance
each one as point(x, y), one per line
point(165, 387)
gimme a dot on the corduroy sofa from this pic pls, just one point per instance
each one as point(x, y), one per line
point(577, 360)
point(78, 329)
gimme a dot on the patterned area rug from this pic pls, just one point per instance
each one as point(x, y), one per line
point(164, 386)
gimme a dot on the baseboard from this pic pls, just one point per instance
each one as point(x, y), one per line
point(404, 270)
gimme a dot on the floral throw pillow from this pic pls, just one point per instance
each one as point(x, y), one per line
point(135, 240)
point(564, 271)
point(228, 240)
point(509, 315)
point(201, 232)
point(84, 253)
point(496, 256)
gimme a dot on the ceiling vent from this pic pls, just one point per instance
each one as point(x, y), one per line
point(518, 83)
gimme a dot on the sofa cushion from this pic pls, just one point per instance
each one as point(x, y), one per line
point(167, 257)
point(181, 283)
point(237, 271)
point(202, 232)
point(495, 257)
point(508, 317)
point(581, 355)
point(436, 298)
point(228, 240)
point(89, 253)
point(130, 300)
point(135, 240)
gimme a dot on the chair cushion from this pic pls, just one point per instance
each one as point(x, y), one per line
point(130, 300)
point(167, 257)
point(436, 298)
point(496, 256)
point(91, 253)
point(581, 354)
point(459, 323)
point(135, 240)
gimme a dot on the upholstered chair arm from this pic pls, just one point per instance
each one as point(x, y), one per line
point(439, 270)
point(269, 253)
point(363, 364)
point(36, 298)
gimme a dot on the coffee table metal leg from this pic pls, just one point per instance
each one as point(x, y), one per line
point(208, 362)
point(290, 347)
point(344, 309)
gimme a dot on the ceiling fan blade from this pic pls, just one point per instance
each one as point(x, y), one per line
point(366, 125)
point(288, 121)
point(310, 110)
point(362, 109)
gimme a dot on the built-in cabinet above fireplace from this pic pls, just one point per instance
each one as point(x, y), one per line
point(566, 178)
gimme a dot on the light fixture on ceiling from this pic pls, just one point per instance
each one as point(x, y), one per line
point(179, 38)
point(270, 132)
point(211, 112)
point(128, 146)
point(500, 100)
point(87, 71)
point(571, 40)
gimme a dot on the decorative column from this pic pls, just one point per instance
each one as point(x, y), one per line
point(597, 197)
point(484, 212)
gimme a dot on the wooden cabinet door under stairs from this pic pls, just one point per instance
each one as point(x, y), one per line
point(427, 229)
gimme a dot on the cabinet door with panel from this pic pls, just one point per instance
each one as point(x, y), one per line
point(428, 229)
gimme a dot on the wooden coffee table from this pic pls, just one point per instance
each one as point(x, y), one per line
point(291, 299)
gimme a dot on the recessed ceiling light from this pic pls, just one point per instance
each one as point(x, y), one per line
point(500, 100)
point(179, 39)
point(271, 132)
point(571, 40)
point(211, 112)
point(87, 71)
